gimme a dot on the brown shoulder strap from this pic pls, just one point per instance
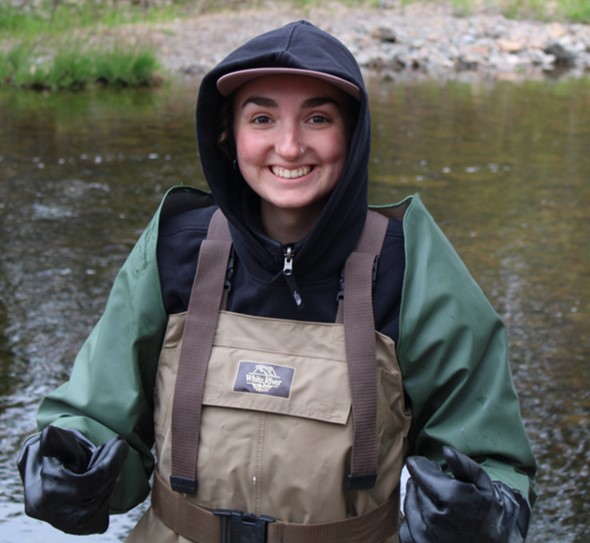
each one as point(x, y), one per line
point(199, 331)
point(359, 335)
point(373, 234)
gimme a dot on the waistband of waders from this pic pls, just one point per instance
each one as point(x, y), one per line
point(203, 526)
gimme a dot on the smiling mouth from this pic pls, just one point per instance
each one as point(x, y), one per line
point(290, 174)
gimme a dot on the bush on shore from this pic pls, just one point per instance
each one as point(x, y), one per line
point(70, 69)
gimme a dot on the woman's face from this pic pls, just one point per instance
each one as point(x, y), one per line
point(291, 140)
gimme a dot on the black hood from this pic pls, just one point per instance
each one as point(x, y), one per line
point(304, 46)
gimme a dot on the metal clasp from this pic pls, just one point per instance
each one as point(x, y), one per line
point(240, 527)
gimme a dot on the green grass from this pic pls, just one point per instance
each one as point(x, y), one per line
point(577, 11)
point(53, 18)
point(462, 8)
point(44, 56)
point(72, 69)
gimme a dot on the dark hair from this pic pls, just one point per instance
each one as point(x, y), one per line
point(225, 140)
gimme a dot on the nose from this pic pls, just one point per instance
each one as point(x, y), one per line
point(288, 144)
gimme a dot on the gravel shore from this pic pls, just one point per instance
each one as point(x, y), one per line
point(419, 40)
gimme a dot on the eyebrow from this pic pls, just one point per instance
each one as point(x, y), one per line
point(309, 103)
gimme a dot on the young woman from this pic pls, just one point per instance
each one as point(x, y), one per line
point(288, 353)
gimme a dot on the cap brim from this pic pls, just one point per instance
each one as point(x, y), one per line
point(228, 83)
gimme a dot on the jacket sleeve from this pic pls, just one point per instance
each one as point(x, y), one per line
point(452, 351)
point(110, 390)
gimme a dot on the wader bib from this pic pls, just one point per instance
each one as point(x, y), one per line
point(293, 442)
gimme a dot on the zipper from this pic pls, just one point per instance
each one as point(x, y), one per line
point(289, 257)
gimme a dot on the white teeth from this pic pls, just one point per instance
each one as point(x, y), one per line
point(290, 174)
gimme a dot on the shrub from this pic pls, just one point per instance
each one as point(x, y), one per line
point(73, 69)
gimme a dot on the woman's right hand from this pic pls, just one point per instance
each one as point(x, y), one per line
point(68, 480)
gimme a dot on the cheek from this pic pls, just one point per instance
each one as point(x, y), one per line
point(247, 148)
point(336, 150)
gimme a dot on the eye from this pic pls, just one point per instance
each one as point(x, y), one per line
point(261, 119)
point(318, 118)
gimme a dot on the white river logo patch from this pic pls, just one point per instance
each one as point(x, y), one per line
point(261, 378)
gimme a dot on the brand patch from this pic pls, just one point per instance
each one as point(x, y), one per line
point(260, 378)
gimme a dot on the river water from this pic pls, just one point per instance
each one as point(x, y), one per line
point(503, 166)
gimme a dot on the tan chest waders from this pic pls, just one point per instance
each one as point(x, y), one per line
point(271, 430)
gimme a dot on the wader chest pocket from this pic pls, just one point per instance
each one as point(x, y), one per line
point(283, 385)
point(282, 367)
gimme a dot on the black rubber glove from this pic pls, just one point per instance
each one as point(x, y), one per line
point(468, 508)
point(68, 481)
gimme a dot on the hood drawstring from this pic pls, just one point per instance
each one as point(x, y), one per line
point(289, 257)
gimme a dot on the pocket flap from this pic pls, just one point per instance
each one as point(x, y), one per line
point(296, 386)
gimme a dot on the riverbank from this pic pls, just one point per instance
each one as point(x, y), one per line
point(394, 41)
point(418, 40)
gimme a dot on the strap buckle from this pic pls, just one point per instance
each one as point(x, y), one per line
point(240, 527)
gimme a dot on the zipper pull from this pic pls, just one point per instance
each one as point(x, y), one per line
point(289, 256)
point(288, 262)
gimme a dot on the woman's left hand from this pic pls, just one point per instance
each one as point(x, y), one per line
point(465, 509)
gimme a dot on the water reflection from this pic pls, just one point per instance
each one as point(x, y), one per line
point(504, 168)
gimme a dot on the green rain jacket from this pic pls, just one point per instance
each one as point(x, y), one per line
point(110, 391)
